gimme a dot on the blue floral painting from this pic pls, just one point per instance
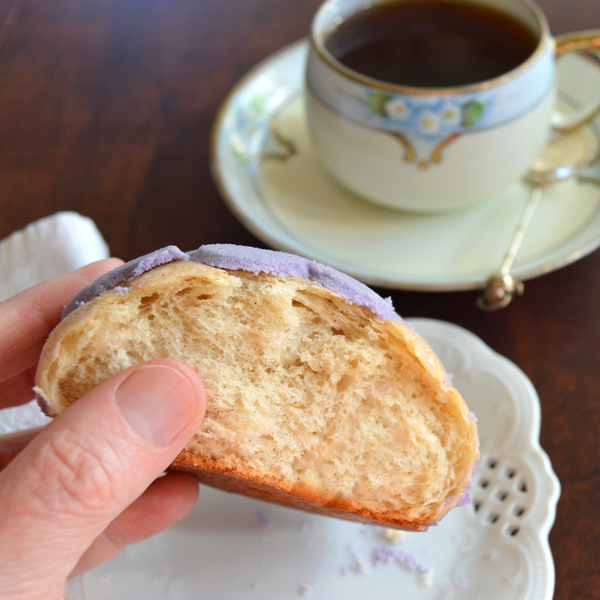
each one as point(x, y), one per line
point(428, 118)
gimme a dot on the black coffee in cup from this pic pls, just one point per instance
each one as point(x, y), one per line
point(431, 43)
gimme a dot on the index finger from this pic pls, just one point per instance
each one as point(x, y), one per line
point(29, 317)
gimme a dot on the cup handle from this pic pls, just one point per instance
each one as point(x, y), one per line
point(565, 44)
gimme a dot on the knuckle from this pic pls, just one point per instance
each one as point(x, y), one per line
point(77, 475)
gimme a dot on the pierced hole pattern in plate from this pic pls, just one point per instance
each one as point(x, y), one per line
point(502, 494)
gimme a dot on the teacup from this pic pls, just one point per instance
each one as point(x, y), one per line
point(442, 148)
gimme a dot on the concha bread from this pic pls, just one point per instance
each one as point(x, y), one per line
point(319, 396)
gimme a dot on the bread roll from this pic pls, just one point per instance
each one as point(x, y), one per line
point(319, 396)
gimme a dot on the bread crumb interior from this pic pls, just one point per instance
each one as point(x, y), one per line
point(301, 385)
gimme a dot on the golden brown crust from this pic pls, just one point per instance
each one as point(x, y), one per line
point(300, 498)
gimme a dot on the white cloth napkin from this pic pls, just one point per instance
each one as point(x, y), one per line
point(46, 248)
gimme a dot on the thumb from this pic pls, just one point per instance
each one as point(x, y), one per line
point(87, 466)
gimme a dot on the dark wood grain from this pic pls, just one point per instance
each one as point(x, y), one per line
point(106, 108)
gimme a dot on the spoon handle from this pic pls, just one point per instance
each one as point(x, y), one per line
point(521, 230)
point(500, 288)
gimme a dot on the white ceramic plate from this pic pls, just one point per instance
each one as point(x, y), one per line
point(234, 548)
point(267, 172)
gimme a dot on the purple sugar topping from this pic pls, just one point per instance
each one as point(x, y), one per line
point(155, 259)
point(243, 258)
point(282, 264)
point(465, 500)
point(121, 275)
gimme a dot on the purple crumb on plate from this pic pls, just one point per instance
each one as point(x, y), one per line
point(473, 417)
point(386, 555)
point(243, 258)
point(358, 567)
point(263, 519)
point(353, 549)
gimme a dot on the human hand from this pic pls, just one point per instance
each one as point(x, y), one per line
point(74, 493)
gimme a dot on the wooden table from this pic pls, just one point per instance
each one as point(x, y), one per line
point(106, 107)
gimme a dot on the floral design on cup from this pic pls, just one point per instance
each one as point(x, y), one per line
point(437, 122)
point(427, 119)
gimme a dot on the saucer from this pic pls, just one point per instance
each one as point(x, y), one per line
point(267, 172)
point(231, 547)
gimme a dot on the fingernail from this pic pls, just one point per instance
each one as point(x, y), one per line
point(158, 402)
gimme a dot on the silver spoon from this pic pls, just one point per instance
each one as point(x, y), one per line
point(564, 156)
